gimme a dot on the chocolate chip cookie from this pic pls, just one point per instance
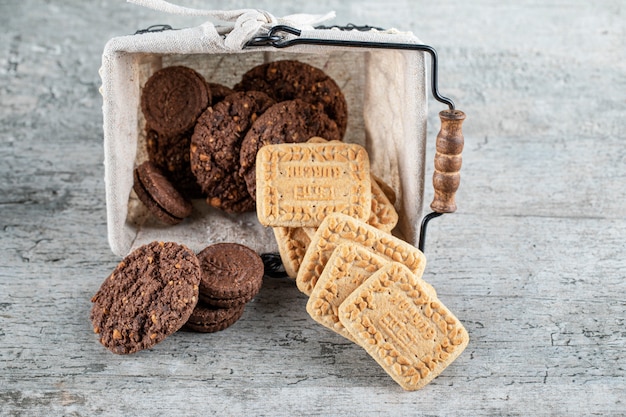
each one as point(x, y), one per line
point(215, 146)
point(149, 296)
point(289, 79)
point(171, 155)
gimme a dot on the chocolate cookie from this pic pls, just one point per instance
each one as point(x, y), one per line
point(149, 296)
point(171, 155)
point(173, 98)
point(218, 92)
point(209, 319)
point(215, 145)
point(291, 121)
point(288, 80)
point(159, 196)
point(232, 274)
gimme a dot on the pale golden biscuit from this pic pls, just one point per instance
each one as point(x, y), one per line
point(386, 188)
point(347, 268)
point(410, 333)
point(337, 229)
point(298, 185)
point(383, 215)
point(292, 244)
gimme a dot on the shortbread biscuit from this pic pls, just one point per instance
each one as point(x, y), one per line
point(347, 268)
point(300, 184)
point(337, 229)
point(410, 333)
point(386, 188)
point(292, 245)
point(383, 214)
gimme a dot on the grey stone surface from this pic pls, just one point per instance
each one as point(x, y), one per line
point(532, 263)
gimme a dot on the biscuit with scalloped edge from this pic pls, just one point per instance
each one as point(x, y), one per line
point(348, 267)
point(406, 329)
point(339, 228)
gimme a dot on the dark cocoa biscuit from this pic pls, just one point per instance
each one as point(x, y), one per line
point(171, 155)
point(288, 80)
point(209, 319)
point(232, 196)
point(159, 195)
point(219, 92)
point(149, 296)
point(215, 145)
point(291, 121)
point(223, 302)
point(173, 98)
point(232, 274)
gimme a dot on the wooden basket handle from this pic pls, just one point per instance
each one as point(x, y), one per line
point(448, 160)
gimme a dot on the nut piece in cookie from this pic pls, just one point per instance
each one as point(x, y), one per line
point(292, 121)
point(159, 195)
point(289, 79)
point(215, 148)
point(173, 98)
point(232, 274)
point(403, 326)
point(149, 296)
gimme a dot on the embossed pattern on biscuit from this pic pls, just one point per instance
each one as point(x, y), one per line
point(348, 267)
point(292, 245)
point(298, 185)
point(338, 228)
point(410, 333)
point(383, 214)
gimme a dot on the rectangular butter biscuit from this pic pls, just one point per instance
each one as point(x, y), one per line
point(410, 333)
point(348, 267)
point(383, 214)
point(298, 185)
point(339, 228)
point(292, 245)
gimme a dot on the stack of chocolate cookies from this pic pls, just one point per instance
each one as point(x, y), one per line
point(203, 137)
point(160, 288)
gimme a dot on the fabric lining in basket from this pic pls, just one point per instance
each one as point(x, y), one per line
point(385, 91)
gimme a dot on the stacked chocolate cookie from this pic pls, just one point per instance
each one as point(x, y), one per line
point(204, 137)
point(162, 287)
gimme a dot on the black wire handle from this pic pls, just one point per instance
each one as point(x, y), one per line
point(274, 39)
point(277, 38)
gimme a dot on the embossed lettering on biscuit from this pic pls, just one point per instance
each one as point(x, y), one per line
point(406, 329)
point(348, 267)
point(298, 185)
point(338, 228)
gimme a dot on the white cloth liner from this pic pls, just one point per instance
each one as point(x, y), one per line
point(387, 86)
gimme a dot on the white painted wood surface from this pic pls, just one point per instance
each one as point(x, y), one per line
point(532, 263)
